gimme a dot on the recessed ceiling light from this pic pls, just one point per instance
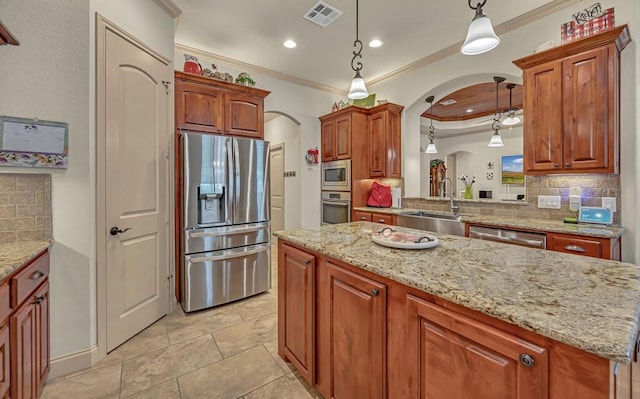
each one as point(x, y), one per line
point(290, 44)
point(469, 110)
point(375, 43)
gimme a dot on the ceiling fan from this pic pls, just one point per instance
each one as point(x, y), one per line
point(510, 116)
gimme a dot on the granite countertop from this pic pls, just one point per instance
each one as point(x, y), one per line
point(547, 226)
point(15, 254)
point(588, 303)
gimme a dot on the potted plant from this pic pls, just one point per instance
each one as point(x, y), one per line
point(244, 79)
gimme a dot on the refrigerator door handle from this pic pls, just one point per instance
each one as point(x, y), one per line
point(200, 259)
point(227, 233)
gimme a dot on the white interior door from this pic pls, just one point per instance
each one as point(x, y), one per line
point(137, 143)
point(277, 187)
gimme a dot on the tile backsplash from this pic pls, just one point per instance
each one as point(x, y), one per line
point(25, 207)
point(594, 187)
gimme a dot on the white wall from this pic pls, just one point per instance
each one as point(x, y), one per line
point(283, 130)
point(411, 88)
point(475, 144)
point(303, 104)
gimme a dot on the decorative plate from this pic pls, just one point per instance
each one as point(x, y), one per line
point(403, 240)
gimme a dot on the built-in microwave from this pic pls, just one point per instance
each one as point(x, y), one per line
point(336, 175)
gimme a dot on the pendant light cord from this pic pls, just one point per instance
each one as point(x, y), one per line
point(357, 53)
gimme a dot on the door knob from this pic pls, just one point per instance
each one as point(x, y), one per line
point(115, 230)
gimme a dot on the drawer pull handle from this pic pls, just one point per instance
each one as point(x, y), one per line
point(363, 218)
point(575, 248)
point(381, 221)
point(39, 300)
point(36, 275)
point(375, 292)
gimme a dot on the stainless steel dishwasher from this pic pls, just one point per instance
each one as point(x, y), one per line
point(525, 239)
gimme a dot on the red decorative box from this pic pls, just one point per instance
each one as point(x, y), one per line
point(574, 31)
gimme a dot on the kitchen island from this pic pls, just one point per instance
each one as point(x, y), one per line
point(467, 317)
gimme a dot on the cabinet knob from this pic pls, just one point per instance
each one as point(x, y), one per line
point(381, 221)
point(363, 218)
point(307, 261)
point(375, 292)
point(39, 300)
point(556, 165)
point(567, 165)
point(527, 360)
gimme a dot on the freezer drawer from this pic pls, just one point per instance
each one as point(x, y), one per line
point(214, 278)
point(218, 238)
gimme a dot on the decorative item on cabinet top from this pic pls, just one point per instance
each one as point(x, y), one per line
point(587, 22)
point(245, 79)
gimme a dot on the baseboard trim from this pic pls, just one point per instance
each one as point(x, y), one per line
point(74, 362)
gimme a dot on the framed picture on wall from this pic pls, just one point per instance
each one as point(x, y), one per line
point(512, 169)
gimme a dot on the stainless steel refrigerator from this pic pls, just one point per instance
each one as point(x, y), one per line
point(226, 250)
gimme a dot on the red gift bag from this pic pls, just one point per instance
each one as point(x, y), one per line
point(379, 196)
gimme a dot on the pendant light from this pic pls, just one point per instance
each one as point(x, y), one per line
point(496, 140)
point(480, 36)
point(431, 148)
point(511, 119)
point(358, 89)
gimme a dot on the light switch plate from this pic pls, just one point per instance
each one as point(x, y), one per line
point(609, 203)
point(549, 201)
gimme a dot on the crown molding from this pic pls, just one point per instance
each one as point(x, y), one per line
point(265, 71)
point(169, 7)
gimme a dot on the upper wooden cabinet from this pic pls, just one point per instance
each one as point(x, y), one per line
point(571, 105)
point(214, 106)
point(340, 131)
point(385, 147)
point(370, 137)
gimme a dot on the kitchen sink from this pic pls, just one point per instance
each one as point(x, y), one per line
point(445, 223)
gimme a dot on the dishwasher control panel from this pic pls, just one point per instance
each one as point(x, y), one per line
point(523, 238)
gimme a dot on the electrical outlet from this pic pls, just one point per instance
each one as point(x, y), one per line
point(549, 201)
point(609, 203)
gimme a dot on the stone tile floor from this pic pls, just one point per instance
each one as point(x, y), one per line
point(225, 352)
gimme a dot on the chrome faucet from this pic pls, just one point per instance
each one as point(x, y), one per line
point(453, 208)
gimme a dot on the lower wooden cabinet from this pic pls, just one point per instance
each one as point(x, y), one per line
point(24, 335)
point(296, 309)
point(459, 358)
point(356, 326)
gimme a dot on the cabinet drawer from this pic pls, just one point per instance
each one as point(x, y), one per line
point(574, 245)
point(359, 216)
point(383, 218)
point(5, 306)
point(25, 282)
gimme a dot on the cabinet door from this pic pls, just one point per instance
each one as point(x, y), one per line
point(5, 361)
point(393, 150)
point(343, 137)
point(199, 107)
point(23, 353)
point(587, 132)
point(543, 120)
point(245, 115)
point(42, 335)
point(296, 309)
point(463, 358)
point(377, 145)
point(357, 323)
point(328, 141)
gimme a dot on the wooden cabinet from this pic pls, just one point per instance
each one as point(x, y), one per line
point(24, 330)
point(571, 103)
point(356, 325)
point(458, 357)
point(214, 106)
point(296, 309)
point(384, 218)
point(385, 147)
point(342, 134)
point(605, 248)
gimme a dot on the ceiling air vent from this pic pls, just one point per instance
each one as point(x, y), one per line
point(322, 14)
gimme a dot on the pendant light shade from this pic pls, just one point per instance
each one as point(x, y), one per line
point(480, 36)
point(511, 119)
point(496, 140)
point(358, 89)
point(431, 148)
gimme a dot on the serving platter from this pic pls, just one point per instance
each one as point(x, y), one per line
point(403, 240)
